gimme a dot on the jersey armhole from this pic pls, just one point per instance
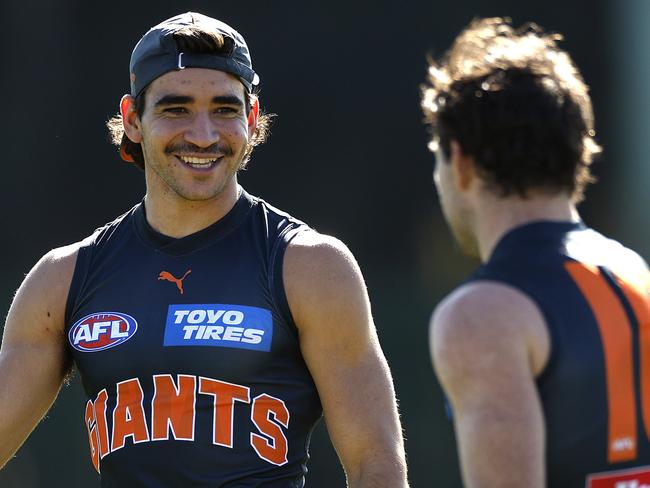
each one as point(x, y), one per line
point(553, 344)
point(548, 320)
point(550, 328)
point(276, 275)
point(79, 276)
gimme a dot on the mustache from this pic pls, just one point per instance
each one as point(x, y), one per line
point(191, 148)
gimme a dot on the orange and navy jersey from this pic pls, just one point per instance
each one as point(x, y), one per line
point(188, 353)
point(595, 389)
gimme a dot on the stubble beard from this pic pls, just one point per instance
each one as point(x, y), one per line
point(165, 173)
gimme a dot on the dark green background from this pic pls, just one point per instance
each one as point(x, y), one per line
point(347, 154)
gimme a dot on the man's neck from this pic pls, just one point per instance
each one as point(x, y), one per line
point(497, 216)
point(176, 217)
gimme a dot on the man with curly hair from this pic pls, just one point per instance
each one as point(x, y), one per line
point(544, 352)
point(210, 329)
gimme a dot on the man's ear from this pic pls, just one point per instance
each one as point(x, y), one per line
point(253, 116)
point(463, 166)
point(130, 119)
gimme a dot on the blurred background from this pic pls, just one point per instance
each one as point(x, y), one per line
point(347, 154)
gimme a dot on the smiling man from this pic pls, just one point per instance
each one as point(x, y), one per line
point(211, 330)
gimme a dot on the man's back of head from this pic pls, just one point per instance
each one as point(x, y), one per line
point(517, 104)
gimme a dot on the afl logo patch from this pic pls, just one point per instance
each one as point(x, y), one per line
point(100, 331)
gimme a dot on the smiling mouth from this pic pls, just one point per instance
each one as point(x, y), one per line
point(199, 163)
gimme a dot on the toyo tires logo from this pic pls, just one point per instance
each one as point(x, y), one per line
point(219, 325)
point(100, 331)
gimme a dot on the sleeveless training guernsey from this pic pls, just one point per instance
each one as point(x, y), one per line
point(188, 353)
point(595, 389)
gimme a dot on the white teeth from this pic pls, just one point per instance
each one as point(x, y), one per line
point(198, 162)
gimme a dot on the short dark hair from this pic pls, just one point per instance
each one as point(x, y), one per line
point(191, 39)
point(516, 103)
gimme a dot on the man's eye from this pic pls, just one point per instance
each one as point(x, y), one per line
point(175, 110)
point(227, 110)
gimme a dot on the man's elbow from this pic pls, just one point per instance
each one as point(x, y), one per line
point(381, 469)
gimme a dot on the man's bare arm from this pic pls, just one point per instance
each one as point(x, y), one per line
point(488, 342)
point(33, 358)
point(338, 340)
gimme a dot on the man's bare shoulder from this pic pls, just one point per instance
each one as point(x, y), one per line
point(475, 306)
point(40, 301)
point(55, 269)
point(484, 323)
point(320, 273)
point(314, 259)
point(313, 249)
point(64, 256)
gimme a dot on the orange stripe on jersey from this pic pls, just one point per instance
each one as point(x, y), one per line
point(128, 416)
point(637, 295)
point(225, 394)
point(274, 447)
point(616, 336)
point(173, 407)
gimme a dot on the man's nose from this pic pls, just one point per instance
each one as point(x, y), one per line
point(202, 131)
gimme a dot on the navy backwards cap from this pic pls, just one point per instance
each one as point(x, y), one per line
point(157, 53)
